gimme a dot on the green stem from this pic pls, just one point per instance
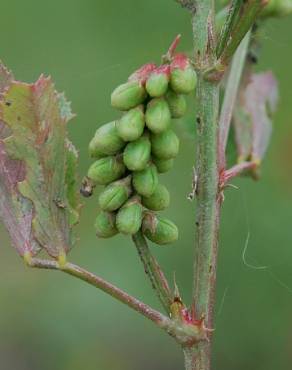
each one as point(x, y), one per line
point(154, 272)
point(249, 13)
point(228, 25)
point(208, 209)
point(208, 200)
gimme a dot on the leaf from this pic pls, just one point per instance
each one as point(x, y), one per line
point(37, 116)
point(15, 210)
point(253, 116)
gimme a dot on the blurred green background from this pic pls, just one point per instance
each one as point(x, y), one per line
point(51, 321)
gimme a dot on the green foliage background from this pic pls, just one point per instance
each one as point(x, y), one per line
point(51, 321)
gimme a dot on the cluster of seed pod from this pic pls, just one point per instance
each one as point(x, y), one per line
point(131, 151)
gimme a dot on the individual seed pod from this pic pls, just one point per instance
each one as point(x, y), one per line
point(157, 82)
point(158, 229)
point(106, 141)
point(93, 150)
point(159, 200)
point(165, 145)
point(142, 73)
point(105, 170)
point(183, 78)
point(129, 217)
point(104, 225)
point(145, 181)
point(137, 154)
point(115, 194)
point(163, 165)
point(177, 104)
point(157, 115)
point(128, 95)
point(131, 126)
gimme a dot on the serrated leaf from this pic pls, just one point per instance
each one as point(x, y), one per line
point(37, 117)
point(253, 116)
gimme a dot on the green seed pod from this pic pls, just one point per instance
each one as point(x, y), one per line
point(131, 126)
point(106, 141)
point(177, 104)
point(157, 82)
point(137, 154)
point(145, 181)
point(128, 95)
point(159, 200)
point(115, 194)
point(163, 165)
point(165, 145)
point(142, 73)
point(105, 225)
point(159, 230)
point(105, 170)
point(183, 78)
point(157, 115)
point(129, 217)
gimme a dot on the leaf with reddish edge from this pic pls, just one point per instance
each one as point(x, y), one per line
point(36, 117)
point(15, 210)
point(142, 73)
point(253, 116)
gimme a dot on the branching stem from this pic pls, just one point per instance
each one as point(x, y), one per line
point(154, 272)
point(80, 273)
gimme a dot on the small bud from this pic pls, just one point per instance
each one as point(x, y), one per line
point(163, 165)
point(106, 141)
point(157, 82)
point(131, 126)
point(159, 200)
point(157, 115)
point(145, 181)
point(128, 95)
point(115, 194)
point(159, 230)
point(137, 154)
point(105, 225)
point(183, 78)
point(105, 170)
point(177, 104)
point(165, 145)
point(87, 187)
point(129, 217)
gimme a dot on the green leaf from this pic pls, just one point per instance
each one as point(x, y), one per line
point(37, 116)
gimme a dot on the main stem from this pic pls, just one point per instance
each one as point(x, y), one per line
point(208, 200)
point(207, 217)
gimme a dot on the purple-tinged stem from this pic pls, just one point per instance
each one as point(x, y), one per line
point(80, 273)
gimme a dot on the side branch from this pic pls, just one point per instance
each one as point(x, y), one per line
point(80, 273)
point(248, 14)
point(154, 272)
